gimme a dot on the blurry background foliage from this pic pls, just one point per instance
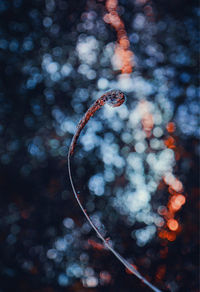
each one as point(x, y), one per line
point(56, 58)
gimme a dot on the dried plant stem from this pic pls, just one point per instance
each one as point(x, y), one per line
point(114, 98)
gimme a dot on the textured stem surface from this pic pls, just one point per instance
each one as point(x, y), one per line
point(114, 98)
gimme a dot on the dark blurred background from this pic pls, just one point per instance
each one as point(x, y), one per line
point(136, 167)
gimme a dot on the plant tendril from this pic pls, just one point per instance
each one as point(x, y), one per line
point(114, 98)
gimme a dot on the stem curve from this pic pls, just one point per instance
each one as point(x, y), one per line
point(114, 98)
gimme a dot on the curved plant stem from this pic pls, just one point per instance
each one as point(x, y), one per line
point(81, 125)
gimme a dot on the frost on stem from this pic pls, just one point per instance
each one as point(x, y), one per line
point(114, 98)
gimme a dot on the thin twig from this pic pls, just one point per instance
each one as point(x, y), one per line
point(114, 98)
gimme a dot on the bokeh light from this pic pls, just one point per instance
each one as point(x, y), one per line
point(135, 167)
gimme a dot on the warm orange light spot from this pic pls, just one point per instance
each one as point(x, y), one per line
point(177, 201)
point(124, 59)
point(177, 185)
point(171, 236)
point(124, 43)
point(172, 224)
point(170, 127)
point(170, 142)
point(180, 199)
point(123, 54)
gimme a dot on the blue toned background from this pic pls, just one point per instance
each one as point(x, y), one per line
point(56, 58)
